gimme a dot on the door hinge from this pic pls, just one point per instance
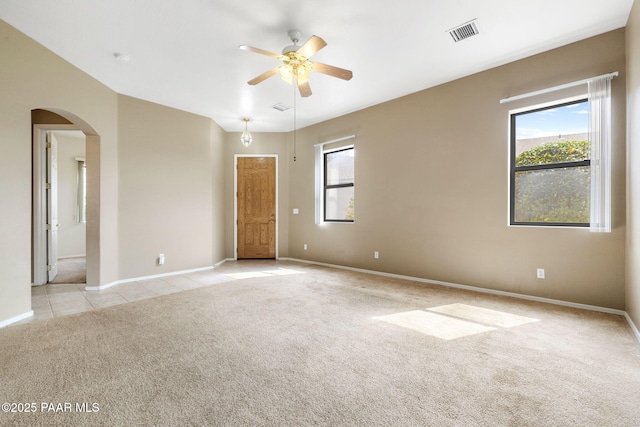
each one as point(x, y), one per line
point(49, 267)
point(48, 145)
point(48, 186)
point(48, 227)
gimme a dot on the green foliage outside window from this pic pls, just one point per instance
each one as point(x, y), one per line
point(558, 195)
point(350, 214)
point(555, 152)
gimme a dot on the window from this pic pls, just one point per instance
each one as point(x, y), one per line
point(551, 165)
point(335, 181)
point(547, 187)
point(339, 188)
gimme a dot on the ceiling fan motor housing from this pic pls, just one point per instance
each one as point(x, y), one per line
point(290, 48)
point(294, 35)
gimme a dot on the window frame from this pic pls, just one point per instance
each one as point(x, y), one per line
point(326, 187)
point(513, 169)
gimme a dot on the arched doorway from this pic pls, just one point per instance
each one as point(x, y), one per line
point(51, 119)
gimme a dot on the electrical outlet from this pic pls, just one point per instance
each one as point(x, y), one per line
point(540, 273)
point(305, 247)
point(376, 254)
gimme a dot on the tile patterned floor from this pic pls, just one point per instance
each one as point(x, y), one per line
point(53, 300)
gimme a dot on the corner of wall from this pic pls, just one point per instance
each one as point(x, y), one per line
point(632, 270)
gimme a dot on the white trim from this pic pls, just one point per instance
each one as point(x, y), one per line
point(16, 319)
point(556, 88)
point(555, 102)
point(607, 310)
point(235, 204)
point(39, 206)
point(154, 276)
point(633, 326)
point(318, 185)
point(72, 256)
point(344, 138)
point(39, 202)
point(471, 288)
point(218, 264)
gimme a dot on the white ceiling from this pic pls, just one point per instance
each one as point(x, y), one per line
point(184, 54)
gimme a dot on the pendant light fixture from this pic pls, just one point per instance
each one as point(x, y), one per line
point(246, 137)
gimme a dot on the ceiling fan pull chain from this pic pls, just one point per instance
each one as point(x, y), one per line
point(294, 122)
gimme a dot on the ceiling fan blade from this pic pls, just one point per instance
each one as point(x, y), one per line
point(330, 70)
point(260, 51)
point(311, 46)
point(304, 88)
point(263, 76)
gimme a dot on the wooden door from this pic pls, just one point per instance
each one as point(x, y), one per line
point(256, 207)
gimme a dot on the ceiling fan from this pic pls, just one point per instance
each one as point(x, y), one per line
point(296, 65)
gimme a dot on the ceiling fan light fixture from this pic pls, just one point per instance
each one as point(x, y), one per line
point(246, 137)
point(296, 66)
point(304, 70)
point(286, 72)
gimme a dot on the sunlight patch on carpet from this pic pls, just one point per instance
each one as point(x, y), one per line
point(283, 272)
point(437, 325)
point(483, 315)
point(248, 275)
point(455, 320)
point(265, 273)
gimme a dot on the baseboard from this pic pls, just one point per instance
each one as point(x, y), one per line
point(154, 276)
point(218, 264)
point(474, 289)
point(72, 256)
point(16, 319)
point(633, 326)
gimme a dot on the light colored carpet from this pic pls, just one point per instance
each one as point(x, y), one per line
point(71, 270)
point(318, 346)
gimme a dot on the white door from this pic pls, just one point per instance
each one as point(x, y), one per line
point(52, 207)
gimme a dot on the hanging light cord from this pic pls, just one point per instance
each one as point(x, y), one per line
point(294, 121)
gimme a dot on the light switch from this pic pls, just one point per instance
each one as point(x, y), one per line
point(296, 211)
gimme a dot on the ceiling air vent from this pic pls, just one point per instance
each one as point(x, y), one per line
point(464, 31)
point(280, 107)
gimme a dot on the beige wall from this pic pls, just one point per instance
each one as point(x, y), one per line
point(263, 143)
point(32, 77)
point(431, 181)
point(432, 187)
point(166, 180)
point(218, 138)
point(633, 165)
point(167, 184)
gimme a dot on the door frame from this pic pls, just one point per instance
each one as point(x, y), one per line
point(235, 198)
point(39, 206)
